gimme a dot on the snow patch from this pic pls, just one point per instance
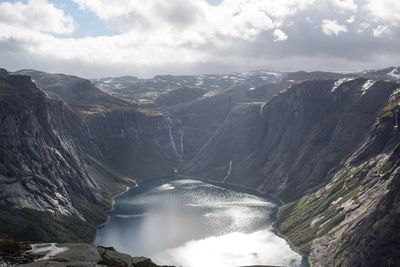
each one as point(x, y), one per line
point(394, 73)
point(339, 82)
point(315, 221)
point(50, 250)
point(368, 84)
point(347, 205)
point(337, 201)
point(394, 94)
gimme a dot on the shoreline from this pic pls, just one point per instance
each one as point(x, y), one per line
point(113, 197)
point(229, 186)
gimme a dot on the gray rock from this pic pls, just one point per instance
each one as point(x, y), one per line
point(78, 252)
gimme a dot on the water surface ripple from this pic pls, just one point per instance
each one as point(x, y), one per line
point(196, 224)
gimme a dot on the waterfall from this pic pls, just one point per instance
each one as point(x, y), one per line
point(171, 138)
point(182, 134)
point(262, 107)
point(229, 171)
point(208, 141)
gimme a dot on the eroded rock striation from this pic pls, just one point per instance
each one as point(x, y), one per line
point(326, 144)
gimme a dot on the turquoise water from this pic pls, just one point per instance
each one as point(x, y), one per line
point(196, 224)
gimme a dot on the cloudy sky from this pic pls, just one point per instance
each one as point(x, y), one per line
point(94, 38)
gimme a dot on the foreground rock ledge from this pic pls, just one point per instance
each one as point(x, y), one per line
point(72, 254)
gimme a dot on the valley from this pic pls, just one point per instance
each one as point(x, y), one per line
point(324, 144)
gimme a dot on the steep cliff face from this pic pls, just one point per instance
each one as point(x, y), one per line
point(42, 166)
point(137, 143)
point(327, 148)
point(353, 220)
point(330, 147)
point(292, 143)
point(197, 120)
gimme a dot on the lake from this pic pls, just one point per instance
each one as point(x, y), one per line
point(193, 223)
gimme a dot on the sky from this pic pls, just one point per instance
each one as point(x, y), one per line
point(97, 38)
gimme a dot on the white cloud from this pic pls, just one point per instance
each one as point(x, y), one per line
point(279, 35)
point(332, 27)
point(38, 15)
point(387, 11)
point(186, 36)
point(362, 27)
point(234, 18)
point(380, 31)
point(344, 5)
point(351, 19)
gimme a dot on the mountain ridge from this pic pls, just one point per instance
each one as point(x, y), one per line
point(324, 143)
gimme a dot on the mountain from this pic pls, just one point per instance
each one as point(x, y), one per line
point(292, 142)
point(325, 144)
point(134, 88)
point(48, 183)
point(127, 138)
point(329, 150)
point(77, 92)
point(391, 73)
point(60, 164)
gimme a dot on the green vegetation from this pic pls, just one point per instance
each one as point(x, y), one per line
point(43, 226)
point(315, 215)
point(386, 113)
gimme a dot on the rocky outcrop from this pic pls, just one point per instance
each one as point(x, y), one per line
point(44, 169)
point(328, 148)
point(66, 254)
point(353, 219)
point(137, 143)
point(38, 150)
point(291, 144)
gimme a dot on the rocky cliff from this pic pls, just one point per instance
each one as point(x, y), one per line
point(48, 182)
point(293, 142)
point(25, 254)
point(328, 148)
point(137, 143)
point(353, 219)
point(67, 148)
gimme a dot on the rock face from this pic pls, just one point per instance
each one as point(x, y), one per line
point(290, 144)
point(45, 176)
point(128, 139)
point(62, 157)
point(67, 254)
point(137, 143)
point(352, 220)
point(49, 163)
point(327, 146)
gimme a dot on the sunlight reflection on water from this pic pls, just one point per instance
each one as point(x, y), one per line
point(191, 223)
